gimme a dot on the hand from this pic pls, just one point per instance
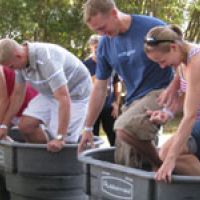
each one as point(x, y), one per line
point(164, 173)
point(165, 98)
point(3, 133)
point(158, 116)
point(8, 138)
point(115, 110)
point(168, 97)
point(55, 145)
point(87, 138)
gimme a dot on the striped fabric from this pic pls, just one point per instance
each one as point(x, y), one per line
point(192, 53)
point(183, 82)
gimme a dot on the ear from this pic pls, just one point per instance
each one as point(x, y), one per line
point(173, 46)
point(17, 55)
point(114, 12)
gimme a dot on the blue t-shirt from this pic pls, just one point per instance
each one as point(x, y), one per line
point(125, 54)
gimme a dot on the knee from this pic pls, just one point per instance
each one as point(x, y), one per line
point(25, 127)
point(121, 135)
point(125, 137)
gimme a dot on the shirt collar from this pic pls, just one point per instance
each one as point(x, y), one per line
point(31, 55)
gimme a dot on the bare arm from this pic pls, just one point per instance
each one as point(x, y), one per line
point(164, 115)
point(169, 94)
point(116, 103)
point(4, 99)
point(16, 101)
point(191, 106)
point(63, 98)
point(171, 101)
point(96, 103)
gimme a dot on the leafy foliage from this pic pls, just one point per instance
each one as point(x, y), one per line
point(60, 21)
point(170, 11)
point(193, 31)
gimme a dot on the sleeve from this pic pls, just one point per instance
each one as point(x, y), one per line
point(52, 69)
point(103, 69)
point(54, 75)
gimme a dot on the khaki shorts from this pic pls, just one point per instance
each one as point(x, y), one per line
point(134, 119)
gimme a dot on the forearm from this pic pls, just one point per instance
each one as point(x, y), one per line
point(4, 103)
point(64, 115)
point(118, 98)
point(175, 83)
point(181, 137)
point(14, 106)
point(117, 92)
point(170, 93)
point(177, 105)
point(96, 103)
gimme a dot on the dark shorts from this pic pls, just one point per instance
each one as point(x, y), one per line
point(196, 139)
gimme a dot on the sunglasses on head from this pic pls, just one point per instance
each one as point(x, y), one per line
point(151, 41)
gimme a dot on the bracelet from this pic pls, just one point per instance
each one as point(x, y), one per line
point(3, 126)
point(169, 112)
point(88, 129)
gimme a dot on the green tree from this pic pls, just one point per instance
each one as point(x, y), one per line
point(60, 21)
point(170, 11)
point(193, 31)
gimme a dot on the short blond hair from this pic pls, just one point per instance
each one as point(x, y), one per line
point(93, 7)
point(94, 39)
point(7, 49)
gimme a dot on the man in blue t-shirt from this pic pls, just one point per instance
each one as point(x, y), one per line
point(121, 49)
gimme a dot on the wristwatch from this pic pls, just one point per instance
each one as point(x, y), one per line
point(60, 137)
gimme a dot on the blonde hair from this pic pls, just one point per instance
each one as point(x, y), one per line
point(94, 39)
point(163, 33)
point(93, 7)
point(7, 49)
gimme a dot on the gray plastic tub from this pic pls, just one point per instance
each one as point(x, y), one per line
point(1, 160)
point(46, 187)
point(26, 158)
point(106, 180)
point(20, 197)
point(4, 194)
point(33, 173)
